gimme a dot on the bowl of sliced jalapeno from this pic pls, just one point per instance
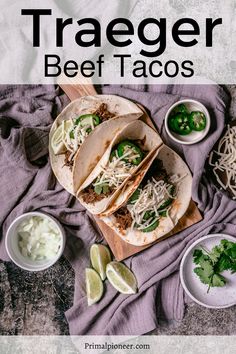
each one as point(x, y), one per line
point(187, 122)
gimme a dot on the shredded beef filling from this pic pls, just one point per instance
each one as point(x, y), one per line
point(103, 112)
point(89, 196)
point(156, 171)
point(67, 161)
point(123, 218)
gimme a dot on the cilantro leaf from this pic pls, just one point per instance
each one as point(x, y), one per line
point(205, 272)
point(205, 279)
point(233, 267)
point(98, 189)
point(224, 263)
point(105, 188)
point(224, 243)
point(215, 253)
point(197, 254)
point(218, 280)
point(211, 263)
point(102, 188)
point(231, 250)
point(199, 257)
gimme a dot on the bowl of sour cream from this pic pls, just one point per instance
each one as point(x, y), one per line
point(35, 241)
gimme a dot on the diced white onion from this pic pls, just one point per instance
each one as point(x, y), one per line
point(39, 238)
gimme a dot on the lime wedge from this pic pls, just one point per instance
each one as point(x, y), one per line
point(100, 256)
point(57, 142)
point(121, 278)
point(94, 286)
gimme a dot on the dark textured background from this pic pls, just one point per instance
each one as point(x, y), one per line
point(34, 303)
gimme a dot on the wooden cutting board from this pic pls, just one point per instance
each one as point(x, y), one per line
point(121, 249)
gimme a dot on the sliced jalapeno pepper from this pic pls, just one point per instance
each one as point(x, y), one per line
point(124, 146)
point(151, 227)
point(148, 214)
point(113, 154)
point(171, 124)
point(134, 197)
point(169, 200)
point(86, 119)
point(163, 213)
point(181, 124)
point(181, 108)
point(197, 121)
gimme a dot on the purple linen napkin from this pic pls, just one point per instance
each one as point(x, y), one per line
point(27, 183)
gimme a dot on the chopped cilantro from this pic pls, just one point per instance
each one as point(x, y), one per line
point(211, 263)
point(218, 280)
point(224, 263)
point(102, 188)
point(105, 188)
point(98, 189)
point(205, 272)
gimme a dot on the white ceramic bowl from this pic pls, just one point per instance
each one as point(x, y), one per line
point(194, 137)
point(11, 243)
point(216, 298)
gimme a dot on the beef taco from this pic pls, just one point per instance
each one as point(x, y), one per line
point(117, 173)
point(158, 203)
point(88, 117)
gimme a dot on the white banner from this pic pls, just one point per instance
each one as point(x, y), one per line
point(118, 42)
point(118, 344)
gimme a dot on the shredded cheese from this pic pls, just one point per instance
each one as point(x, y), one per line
point(151, 198)
point(74, 138)
point(225, 161)
point(117, 170)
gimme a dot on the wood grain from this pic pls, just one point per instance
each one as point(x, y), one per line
point(76, 91)
point(120, 248)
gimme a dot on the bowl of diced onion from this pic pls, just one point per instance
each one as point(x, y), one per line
point(35, 241)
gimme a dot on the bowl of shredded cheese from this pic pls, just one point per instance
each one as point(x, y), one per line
point(35, 241)
point(222, 160)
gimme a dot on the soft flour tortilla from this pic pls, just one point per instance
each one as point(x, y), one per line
point(173, 164)
point(131, 185)
point(136, 130)
point(125, 111)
